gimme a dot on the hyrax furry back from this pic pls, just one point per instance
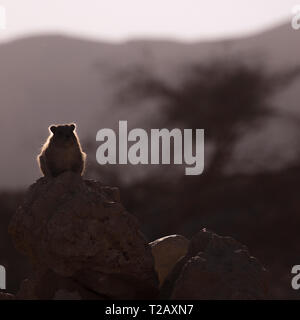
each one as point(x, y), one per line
point(61, 152)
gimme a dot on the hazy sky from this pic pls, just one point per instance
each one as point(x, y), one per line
point(123, 19)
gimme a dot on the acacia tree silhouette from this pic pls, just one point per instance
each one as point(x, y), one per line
point(222, 97)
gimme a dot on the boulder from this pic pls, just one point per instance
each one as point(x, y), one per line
point(82, 242)
point(216, 267)
point(166, 252)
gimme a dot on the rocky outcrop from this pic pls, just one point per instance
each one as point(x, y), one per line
point(166, 252)
point(82, 243)
point(216, 267)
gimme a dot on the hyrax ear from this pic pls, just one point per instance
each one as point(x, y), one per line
point(73, 126)
point(52, 129)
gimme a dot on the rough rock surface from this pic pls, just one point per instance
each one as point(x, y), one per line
point(216, 267)
point(166, 252)
point(82, 242)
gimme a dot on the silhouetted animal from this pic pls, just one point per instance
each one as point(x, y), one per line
point(61, 152)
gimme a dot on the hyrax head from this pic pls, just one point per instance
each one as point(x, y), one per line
point(63, 134)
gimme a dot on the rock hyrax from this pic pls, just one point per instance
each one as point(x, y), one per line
point(61, 152)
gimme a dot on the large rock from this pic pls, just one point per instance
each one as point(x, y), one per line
point(216, 267)
point(82, 242)
point(166, 252)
